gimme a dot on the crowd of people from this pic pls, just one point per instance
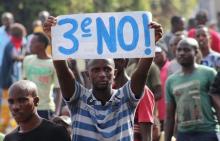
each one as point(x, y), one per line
point(174, 95)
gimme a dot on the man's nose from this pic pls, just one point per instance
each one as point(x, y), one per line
point(102, 73)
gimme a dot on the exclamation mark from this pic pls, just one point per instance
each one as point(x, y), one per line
point(146, 34)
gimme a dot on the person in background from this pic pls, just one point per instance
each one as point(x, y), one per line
point(163, 63)
point(158, 134)
point(191, 24)
point(153, 77)
point(64, 121)
point(36, 27)
point(39, 68)
point(43, 16)
point(188, 102)
point(23, 100)
point(143, 119)
point(7, 20)
point(174, 65)
point(218, 21)
point(209, 57)
point(11, 69)
point(215, 95)
point(202, 19)
point(177, 25)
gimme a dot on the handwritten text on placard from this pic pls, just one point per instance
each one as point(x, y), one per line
point(103, 35)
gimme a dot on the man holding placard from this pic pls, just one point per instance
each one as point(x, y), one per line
point(102, 114)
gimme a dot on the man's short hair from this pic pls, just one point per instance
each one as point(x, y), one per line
point(175, 20)
point(42, 38)
point(7, 15)
point(18, 30)
point(26, 86)
point(191, 41)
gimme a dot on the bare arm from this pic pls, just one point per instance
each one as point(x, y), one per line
point(170, 121)
point(139, 77)
point(146, 131)
point(65, 76)
point(58, 101)
point(216, 104)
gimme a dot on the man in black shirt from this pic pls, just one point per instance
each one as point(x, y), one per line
point(23, 101)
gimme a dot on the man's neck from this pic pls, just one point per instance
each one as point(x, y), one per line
point(189, 69)
point(205, 51)
point(43, 55)
point(162, 64)
point(30, 124)
point(103, 95)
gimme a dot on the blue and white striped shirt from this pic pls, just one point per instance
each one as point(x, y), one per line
point(92, 121)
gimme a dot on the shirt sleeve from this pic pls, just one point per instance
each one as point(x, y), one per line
point(76, 97)
point(61, 134)
point(146, 107)
point(215, 87)
point(169, 93)
point(129, 96)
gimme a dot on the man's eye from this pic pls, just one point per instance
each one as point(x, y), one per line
point(22, 100)
point(10, 101)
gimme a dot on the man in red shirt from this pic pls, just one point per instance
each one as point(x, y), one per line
point(201, 19)
point(143, 120)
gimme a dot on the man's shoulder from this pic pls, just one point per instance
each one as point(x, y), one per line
point(28, 57)
point(203, 68)
point(12, 135)
point(50, 128)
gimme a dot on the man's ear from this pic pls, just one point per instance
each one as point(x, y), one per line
point(36, 101)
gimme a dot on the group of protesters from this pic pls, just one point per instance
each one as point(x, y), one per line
point(174, 95)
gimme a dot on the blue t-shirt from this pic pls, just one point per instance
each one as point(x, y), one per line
point(93, 121)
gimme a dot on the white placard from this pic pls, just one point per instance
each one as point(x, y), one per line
point(103, 35)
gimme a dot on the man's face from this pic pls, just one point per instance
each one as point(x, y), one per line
point(7, 20)
point(202, 37)
point(36, 46)
point(185, 54)
point(22, 105)
point(160, 58)
point(101, 73)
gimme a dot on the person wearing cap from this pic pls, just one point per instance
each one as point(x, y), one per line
point(187, 99)
point(163, 63)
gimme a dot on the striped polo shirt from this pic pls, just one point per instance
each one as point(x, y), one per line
point(92, 121)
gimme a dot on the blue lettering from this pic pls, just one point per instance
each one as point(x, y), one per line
point(146, 34)
point(102, 33)
point(86, 22)
point(134, 26)
point(69, 35)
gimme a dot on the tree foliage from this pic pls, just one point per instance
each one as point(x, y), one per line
point(26, 11)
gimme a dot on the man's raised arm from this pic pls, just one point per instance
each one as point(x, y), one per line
point(64, 74)
point(139, 77)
